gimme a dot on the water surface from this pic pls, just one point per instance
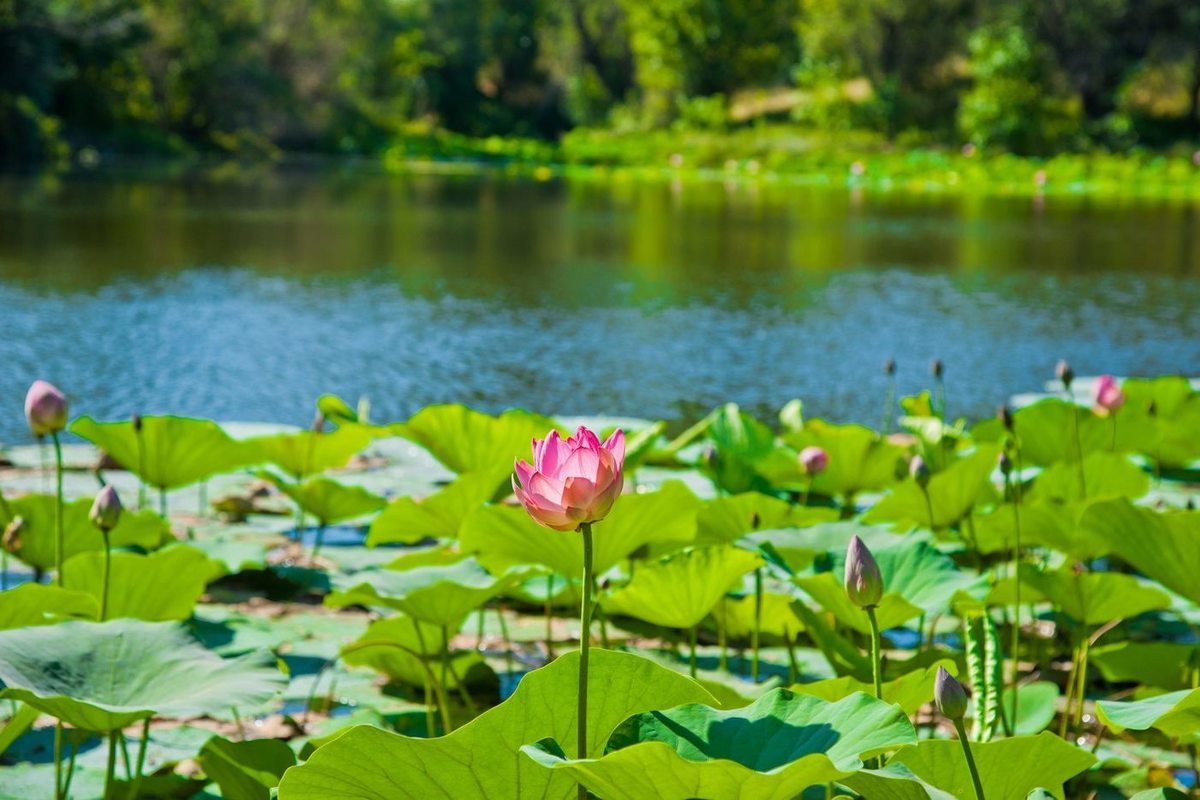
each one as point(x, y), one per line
point(244, 294)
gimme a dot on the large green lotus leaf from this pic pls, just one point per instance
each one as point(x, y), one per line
point(893, 782)
point(680, 590)
point(1045, 523)
point(35, 604)
point(440, 515)
point(1163, 665)
point(827, 590)
point(859, 459)
point(1176, 417)
point(305, 453)
point(465, 440)
point(742, 444)
point(1046, 431)
point(103, 676)
point(799, 548)
point(481, 760)
point(953, 492)
point(1106, 475)
point(1009, 769)
point(441, 594)
point(1094, 598)
point(1166, 793)
point(910, 691)
point(174, 451)
point(161, 586)
point(1177, 714)
point(776, 747)
point(144, 529)
point(723, 520)
point(1162, 546)
point(396, 646)
point(777, 620)
point(1035, 712)
point(505, 535)
point(246, 770)
point(330, 501)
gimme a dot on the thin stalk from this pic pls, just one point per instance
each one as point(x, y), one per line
point(755, 633)
point(70, 769)
point(1014, 649)
point(807, 491)
point(793, 665)
point(237, 721)
point(889, 403)
point(1079, 450)
point(966, 746)
point(125, 756)
point(202, 500)
point(107, 573)
point(430, 728)
point(430, 678)
point(1070, 687)
point(508, 655)
point(320, 538)
point(162, 501)
point(692, 656)
point(723, 664)
point(462, 690)
point(479, 627)
point(928, 505)
point(58, 742)
point(876, 658)
point(585, 635)
point(141, 760)
point(546, 609)
point(1113, 445)
point(940, 404)
point(1081, 695)
point(140, 468)
point(446, 670)
point(58, 511)
point(111, 769)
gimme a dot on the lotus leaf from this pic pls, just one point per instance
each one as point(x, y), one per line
point(104, 676)
point(246, 770)
point(679, 591)
point(36, 544)
point(440, 515)
point(1177, 714)
point(471, 441)
point(161, 586)
point(304, 453)
point(35, 604)
point(953, 492)
point(482, 759)
point(330, 501)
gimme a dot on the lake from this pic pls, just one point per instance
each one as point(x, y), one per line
point(245, 293)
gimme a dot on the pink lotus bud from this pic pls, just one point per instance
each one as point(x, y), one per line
point(1107, 394)
point(571, 482)
point(106, 509)
point(864, 584)
point(949, 694)
point(813, 460)
point(919, 471)
point(45, 408)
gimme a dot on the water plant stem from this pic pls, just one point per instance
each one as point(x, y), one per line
point(320, 538)
point(889, 404)
point(966, 746)
point(107, 573)
point(1014, 649)
point(162, 501)
point(141, 760)
point(876, 658)
point(692, 656)
point(430, 728)
point(722, 644)
point(928, 505)
point(756, 632)
point(585, 635)
point(58, 741)
point(547, 611)
point(58, 511)
point(110, 770)
point(1079, 450)
point(445, 673)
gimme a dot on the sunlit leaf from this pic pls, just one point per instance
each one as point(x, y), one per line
point(330, 501)
point(952, 493)
point(408, 520)
point(304, 453)
point(35, 545)
point(165, 585)
point(910, 691)
point(35, 604)
point(1177, 714)
point(246, 770)
point(471, 441)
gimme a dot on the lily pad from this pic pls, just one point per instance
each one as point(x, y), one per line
point(170, 451)
point(330, 501)
point(910, 691)
point(165, 585)
point(774, 748)
point(104, 676)
point(1105, 475)
point(482, 759)
point(1161, 546)
point(723, 520)
point(402, 642)
point(1163, 665)
point(679, 591)
point(408, 520)
point(35, 604)
point(1177, 714)
point(306, 453)
point(1094, 598)
point(465, 440)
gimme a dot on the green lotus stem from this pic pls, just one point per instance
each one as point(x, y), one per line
point(202, 499)
point(479, 627)
point(692, 656)
point(585, 635)
point(137, 430)
point(966, 746)
point(70, 769)
point(1079, 450)
point(59, 544)
point(430, 678)
point(928, 505)
point(508, 656)
point(889, 403)
point(446, 668)
point(125, 756)
point(723, 665)
point(793, 665)
point(1081, 694)
point(110, 770)
point(756, 631)
point(1070, 687)
point(1113, 447)
point(1014, 650)
point(58, 737)
point(107, 574)
point(807, 491)
point(237, 721)
point(162, 501)
point(430, 729)
point(940, 395)
point(462, 690)
point(876, 658)
point(546, 610)
point(320, 538)
point(141, 761)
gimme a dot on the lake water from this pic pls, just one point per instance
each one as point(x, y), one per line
point(243, 294)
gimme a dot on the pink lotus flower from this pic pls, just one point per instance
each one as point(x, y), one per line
point(45, 408)
point(813, 460)
point(1107, 394)
point(571, 482)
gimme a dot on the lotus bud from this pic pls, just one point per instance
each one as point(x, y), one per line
point(864, 584)
point(1006, 417)
point(1006, 465)
point(949, 694)
point(11, 540)
point(1065, 374)
point(1107, 393)
point(106, 509)
point(889, 367)
point(936, 368)
point(136, 420)
point(919, 470)
point(813, 460)
point(45, 408)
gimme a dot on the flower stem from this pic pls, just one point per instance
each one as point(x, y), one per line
point(141, 761)
point(110, 770)
point(876, 659)
point(966, 746)
point(692, 657)
point(1079, 451)
point(928, 505)
point(162, 501)
point(58, 743)
point(754, 634)
point(585, 636)
point(721, 638)
point(320, 538)
point(1014, 650)
point(58, 511)
point(547, 610)
point(107, 573)
point(445, 669)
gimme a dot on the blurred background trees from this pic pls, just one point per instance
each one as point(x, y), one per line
point(356, 76)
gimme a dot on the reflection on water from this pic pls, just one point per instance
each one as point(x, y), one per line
point(245, 295)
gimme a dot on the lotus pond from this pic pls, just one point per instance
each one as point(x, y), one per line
point(775, 607)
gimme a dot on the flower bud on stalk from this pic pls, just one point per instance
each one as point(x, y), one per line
point(1006, 418)
point(889, 367)
point(864, 584)
point(1006, 465)
point(813, 460)
point(1107, 393)
point(937, 368)
point(919, 470)
point(45, 408)
point(106, 509)
point(1065, 374)
point(949, 695)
